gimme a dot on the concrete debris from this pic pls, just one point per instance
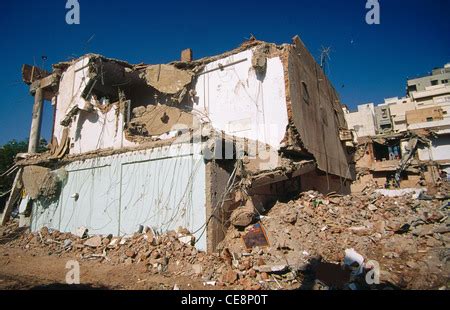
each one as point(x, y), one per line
point(156, 120)
point(230, 277)
point(114, 242)
point(187, 239)
point(93, 242)
point(187, 55)
point(300, 254)
point(139, 111)
point(372, 207)
point(81, 232)
point(271, 268)
point(367, 225)
point(67, 243)
point(259, 62)
point(416, 192)
point(243, 216)
point(167, 78)
point(290, 217)
point(209, 283)
point(197, 268)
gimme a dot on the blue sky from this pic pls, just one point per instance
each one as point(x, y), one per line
point(368, 62)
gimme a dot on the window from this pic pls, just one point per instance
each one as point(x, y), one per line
point(434, 82)
point(444, 81)
point(389, 151)
point(429, 119)
point(412, 88)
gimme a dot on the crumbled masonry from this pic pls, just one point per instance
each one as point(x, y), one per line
point(308, 238)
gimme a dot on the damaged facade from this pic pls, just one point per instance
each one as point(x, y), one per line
point(405, 141)
point(183, 144)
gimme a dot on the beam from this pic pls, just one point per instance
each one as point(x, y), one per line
point(13, 197)
point(49, 81)
point(31, 74)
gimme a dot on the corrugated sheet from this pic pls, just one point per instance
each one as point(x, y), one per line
point(163, 188)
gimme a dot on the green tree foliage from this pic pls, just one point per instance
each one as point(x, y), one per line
point(7, 154)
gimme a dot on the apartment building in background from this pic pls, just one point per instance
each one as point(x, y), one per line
point(407, 131)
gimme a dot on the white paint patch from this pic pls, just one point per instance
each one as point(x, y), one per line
point(94, 131)
point(238, 102)
point(71, 85)
point(89, 131)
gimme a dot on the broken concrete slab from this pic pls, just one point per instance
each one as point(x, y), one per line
point(187, 55)
point(93, 242)
point(271, 268)
point(167, 79)
point(187, 239)
point(33, 177)
point(156, 120)
point(243, 216)
point(139, 111)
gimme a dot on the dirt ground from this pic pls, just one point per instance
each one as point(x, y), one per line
point(20, 269)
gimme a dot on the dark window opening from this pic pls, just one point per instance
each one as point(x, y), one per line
point(434, 82)
point(412, 88)
point(387, 152)
point(429, 119)
point(404, 176)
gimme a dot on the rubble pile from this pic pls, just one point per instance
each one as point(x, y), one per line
point(172, 253)
point(408, 237)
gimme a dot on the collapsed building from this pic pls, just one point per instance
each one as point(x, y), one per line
point(396, 160)
point(182, 144)
point(405, 141)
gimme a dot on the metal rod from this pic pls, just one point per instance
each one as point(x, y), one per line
point(223, 66)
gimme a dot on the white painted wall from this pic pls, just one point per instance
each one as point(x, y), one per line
point(95, 130)
point(439, 151)
point(362, 121)
point(163, 188)
point(236, 101)
point(72, 83)
point(89, 131)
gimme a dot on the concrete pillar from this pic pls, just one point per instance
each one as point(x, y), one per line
point(36, 122)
